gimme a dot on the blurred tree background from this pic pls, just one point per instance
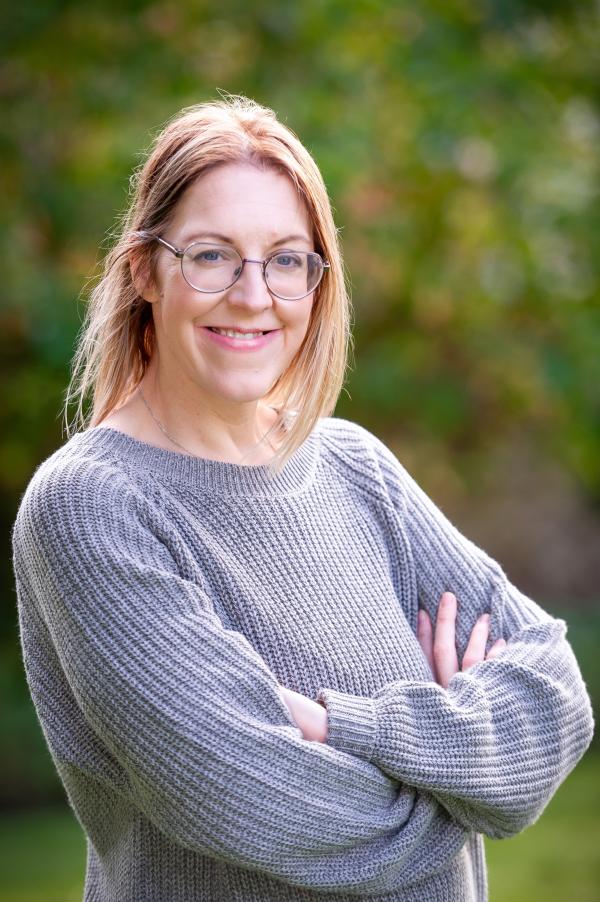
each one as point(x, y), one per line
point(458, 140)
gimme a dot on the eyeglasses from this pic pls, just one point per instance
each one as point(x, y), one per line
point(210, 268)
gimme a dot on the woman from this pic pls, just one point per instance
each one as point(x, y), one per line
point(219, 583)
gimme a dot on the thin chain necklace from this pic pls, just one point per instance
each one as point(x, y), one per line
point(162, 428)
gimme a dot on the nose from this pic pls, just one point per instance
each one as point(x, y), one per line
point(250, 290)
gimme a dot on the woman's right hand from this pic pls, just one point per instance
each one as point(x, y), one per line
point(309, 716)
point(439, 645)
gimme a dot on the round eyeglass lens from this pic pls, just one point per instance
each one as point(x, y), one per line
point(210, 268)
point(293, 274)
point(289, 274)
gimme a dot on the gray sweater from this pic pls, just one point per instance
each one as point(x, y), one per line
point(163, 597)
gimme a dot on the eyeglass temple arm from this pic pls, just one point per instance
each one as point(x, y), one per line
point(145, 234)
point(175, 250)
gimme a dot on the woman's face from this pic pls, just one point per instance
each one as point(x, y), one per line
point(256, 211)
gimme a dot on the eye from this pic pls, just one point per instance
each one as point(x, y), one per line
point(287, 261)
point(209, 256)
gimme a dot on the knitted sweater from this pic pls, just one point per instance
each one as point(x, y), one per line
point(163, 598)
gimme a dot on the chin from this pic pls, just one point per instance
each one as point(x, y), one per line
point(245, 396)
point(243, 386)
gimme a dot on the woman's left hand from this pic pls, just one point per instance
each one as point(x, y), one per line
point(310, 716)
point(439, 645)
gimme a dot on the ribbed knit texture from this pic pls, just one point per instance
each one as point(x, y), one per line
point(162, 598)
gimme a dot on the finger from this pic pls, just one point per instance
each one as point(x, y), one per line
point(444, 640)
point(425, 636)
point(496, 648)
point(475, 650)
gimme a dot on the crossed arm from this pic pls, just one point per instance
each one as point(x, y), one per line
point(439, 647)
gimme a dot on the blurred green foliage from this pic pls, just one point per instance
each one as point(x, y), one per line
point(458, 143)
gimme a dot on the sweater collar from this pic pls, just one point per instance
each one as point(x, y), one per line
point(219, 477)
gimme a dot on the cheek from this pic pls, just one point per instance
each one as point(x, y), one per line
point(296, 337)
point(301, 319)
point(181, 303)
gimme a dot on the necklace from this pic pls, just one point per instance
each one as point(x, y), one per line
point(162, 428)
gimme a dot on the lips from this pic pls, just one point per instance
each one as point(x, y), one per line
point(245, 341)
point(236, 329)
point(238, 333)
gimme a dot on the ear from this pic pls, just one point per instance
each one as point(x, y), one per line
point(142, 277)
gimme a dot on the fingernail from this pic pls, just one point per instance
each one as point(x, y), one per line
point(448, 598)
point(485, 618)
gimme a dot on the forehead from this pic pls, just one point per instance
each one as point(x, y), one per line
point(241, 199)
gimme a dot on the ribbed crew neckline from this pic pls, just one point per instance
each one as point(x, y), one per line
point(217, 476)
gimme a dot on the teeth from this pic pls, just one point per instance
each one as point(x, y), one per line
point(231, 334)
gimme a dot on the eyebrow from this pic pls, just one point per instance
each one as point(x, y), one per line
point(198, 235)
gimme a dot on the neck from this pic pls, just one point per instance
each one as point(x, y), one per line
point(202, 427)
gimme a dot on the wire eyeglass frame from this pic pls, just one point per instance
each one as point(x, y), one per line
point(181, 252)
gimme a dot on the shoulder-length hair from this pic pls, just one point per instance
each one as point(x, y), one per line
point(117, 338)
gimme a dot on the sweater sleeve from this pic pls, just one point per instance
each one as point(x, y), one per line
point(493, 746)
point(188, 711)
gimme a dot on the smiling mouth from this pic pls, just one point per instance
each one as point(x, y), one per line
point(236, 333)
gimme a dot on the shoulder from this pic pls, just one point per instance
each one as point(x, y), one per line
point(72, 471)
point(354, 441)
point(67, 491)
point(359, 455)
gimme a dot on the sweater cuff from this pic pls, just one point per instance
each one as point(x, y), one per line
point(351, 722)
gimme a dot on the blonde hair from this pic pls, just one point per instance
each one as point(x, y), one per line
point(117, 338)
